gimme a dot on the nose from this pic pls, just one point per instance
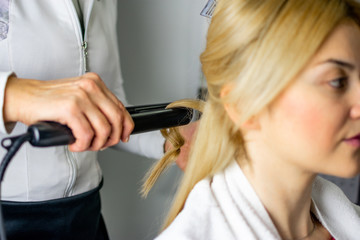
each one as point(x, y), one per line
point(355, 109)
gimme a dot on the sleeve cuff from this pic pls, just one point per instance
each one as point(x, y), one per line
point(150, 145)
point(4, 128)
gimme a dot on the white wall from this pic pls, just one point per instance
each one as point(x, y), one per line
point(160, 42)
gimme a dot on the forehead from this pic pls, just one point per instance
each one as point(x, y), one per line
point(342, 43)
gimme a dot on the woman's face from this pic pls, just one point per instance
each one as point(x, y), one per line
point(315, 122)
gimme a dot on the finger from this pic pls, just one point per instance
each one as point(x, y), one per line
point(96, 119)
point(121, 121)
point(82, 131)
point(115, 116)
point(89, 125)
point(101, 127)
point(96, 91)
point(126, 123)
point(128, 127)
point(115, 112)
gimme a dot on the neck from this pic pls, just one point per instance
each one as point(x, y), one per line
point(285, 191)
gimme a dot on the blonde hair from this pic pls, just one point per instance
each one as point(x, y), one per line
point(257, 47)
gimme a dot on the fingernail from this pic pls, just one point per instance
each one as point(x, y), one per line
point(127, 139)
point(103, 149)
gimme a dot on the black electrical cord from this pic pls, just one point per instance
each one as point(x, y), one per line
point(12, 145)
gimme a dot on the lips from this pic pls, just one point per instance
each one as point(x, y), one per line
point(353, 141)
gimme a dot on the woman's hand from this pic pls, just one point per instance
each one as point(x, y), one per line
point(96, 117)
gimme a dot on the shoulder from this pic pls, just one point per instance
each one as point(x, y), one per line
point(326, 193)
point(335, 211)
point(201, 195)
point(199, 217)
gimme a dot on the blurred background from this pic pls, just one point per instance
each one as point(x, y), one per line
point(160, 42)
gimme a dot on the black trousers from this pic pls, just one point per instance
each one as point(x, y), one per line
point(77, 217)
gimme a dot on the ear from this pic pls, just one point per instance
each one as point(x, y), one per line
point(234, 114)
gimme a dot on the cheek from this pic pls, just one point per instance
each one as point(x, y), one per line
point(304, 118)
point(312, 122)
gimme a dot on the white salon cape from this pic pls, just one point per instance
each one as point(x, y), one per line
point(226, 207)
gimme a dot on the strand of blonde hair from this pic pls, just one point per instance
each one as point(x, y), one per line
point(176, 140)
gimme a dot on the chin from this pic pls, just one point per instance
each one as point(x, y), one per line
point(344, 167)
point(348, 172)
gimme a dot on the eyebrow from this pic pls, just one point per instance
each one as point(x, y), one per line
point(341, 63)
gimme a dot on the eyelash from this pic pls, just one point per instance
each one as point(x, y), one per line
point(339, 83)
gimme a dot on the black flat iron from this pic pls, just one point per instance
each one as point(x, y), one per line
point(46, 134)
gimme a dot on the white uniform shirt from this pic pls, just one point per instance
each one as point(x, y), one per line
point(44, 40)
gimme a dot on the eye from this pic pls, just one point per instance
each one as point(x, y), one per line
point(339, 83)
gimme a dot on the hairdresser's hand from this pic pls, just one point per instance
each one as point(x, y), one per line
point(187, 132)
point(96, 117)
